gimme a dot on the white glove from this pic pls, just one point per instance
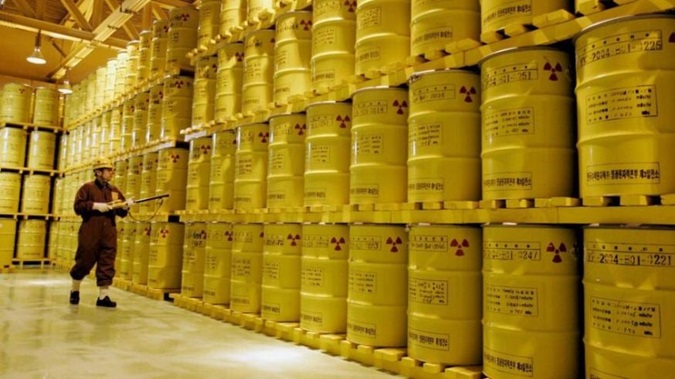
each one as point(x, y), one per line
point(101, 207)
point(128, 203)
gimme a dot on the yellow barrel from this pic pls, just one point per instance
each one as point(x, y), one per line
point(528, 124)
point(203, 101)
point(160, 33)
point(333, 38)
point(184, 17)
point(154, 127)
point(133, 62)
point(133, 177)
point(323, 289)
point(57, 198)
point(7, 239)
point(149, 182)
point(104, 136)
point(292, 53)
point(41, 150)
point(194, 257)
point(99, 96)
point(10, 190)
point(444, 136)
point(209, 22)
point(382, 34)
point(128, 250)
point(140, 128)
point(444, 295)
point(121, 72)
point(232, 14)
point(497, 14)
point(258, 70)
point(111, 73)
point(199, 169)
point(625, 76)
point(176, 106)
point(62, 155)
point(120, 178)
point(166, 255)
point(629, 301)
point(531, 323)
point(378, 285)
point(139, 271)
point(127, 124)
point(218, 263)
point(247, 249)
point(46, 111)
point(16, 103)
point(221, 177)
point(172, 178)
point(229, 81)
point(53, 233)
point(115, 144)
point(36, 190)
point(144, 55)
point(12, 147)
point(281, 272)
point(434, 24)
point(256, 7)
point(250, 167)
point(95, 137)
point(327, 157)
point(32, 239)
point(86, 141)
point(179, 43)
point(378, 168)
point(285, 181)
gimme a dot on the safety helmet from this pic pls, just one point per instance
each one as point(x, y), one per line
point(100, 163)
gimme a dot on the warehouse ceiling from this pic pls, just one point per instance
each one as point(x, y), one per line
point(77, 36)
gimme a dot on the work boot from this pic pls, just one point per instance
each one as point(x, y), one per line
point(105, 302)
point(74, 297)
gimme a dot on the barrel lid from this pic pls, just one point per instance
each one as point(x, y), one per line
point(517, 49)
point(329, 102)
point(286, 114)
point(375, 88)
point(419, 74)
point(615, 20)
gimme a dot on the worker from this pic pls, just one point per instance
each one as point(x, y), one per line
point(97, 237)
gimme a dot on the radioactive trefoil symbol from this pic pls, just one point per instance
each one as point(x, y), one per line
point(551, 248)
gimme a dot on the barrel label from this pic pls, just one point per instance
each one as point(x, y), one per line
point(429, 243)
point(372, 144)
point(508, 122)
point(254, 70)
point(370, 107)
point(274, 196)
point(627, 254)
point(508, 363)
point(362, 282)
point(623, 173)
point(365, 190)
point(244, 166)
point(273, 308)
point(277, 162)
point(280, 58)
point(319, 153)
point(618, 45)
point(621, 103)
point(368, 18)
point(323, 8)
point(323, 75)
point(434, 92)
point(513, 73)
point(320, 121)
point(426, 135)
point(509, 300)
point(507, 181)
point(441, 33)
point(512, 250)
point(506, 10)
point(624, 317)
point(241, 267)
point(433, 185)
point(430, 292)
point(243, 237)
point(315, 194)
point(369, 54)
point(323, 38)
point(428, 339)
point(362, 328)
point(312, 277)
point(315, 318)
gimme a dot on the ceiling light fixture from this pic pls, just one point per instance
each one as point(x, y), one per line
point(65, 87)
point(37, 57)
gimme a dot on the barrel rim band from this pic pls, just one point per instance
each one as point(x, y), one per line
point(383, 87)
point(464, 70)
point(518, 49)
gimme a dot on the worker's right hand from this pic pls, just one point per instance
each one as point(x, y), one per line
point(101, 207)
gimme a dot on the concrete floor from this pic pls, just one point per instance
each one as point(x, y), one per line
point(42, 336)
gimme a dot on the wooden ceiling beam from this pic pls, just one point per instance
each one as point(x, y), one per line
point(40, 9)
point(25, 8)
point(97, 15)
point(146, 20)
point(77, 15)
point(81, 6)
point(129, 28)
point(159, 13)
point(55, 30)
point(170, 4)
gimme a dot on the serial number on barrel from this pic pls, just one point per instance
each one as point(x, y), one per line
point(629, 259)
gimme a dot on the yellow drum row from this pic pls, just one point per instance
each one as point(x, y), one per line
point(19, 103)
